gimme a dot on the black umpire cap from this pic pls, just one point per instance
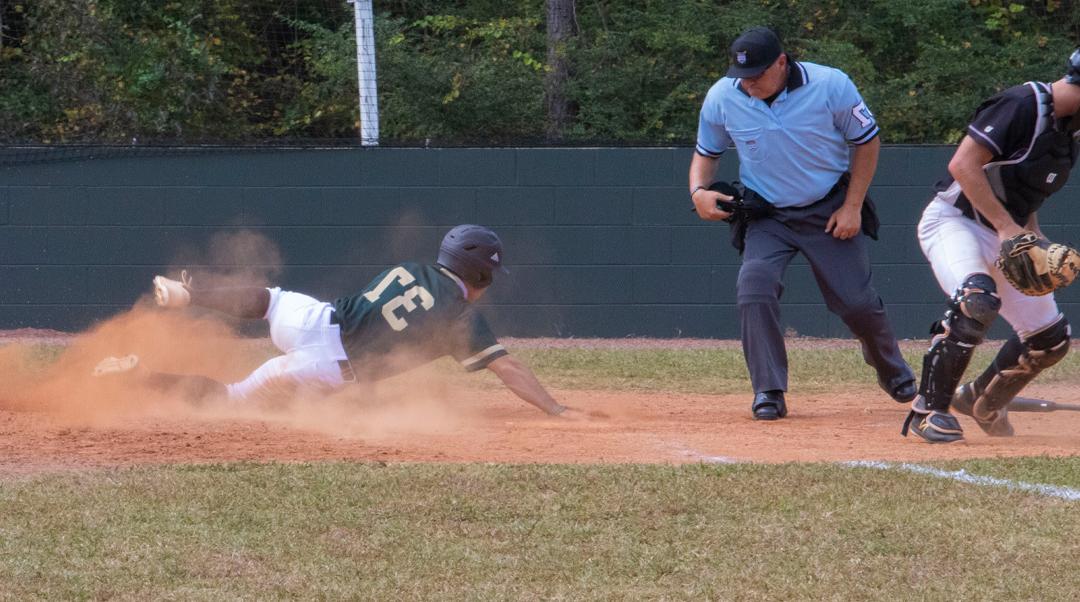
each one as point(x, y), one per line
point(753, 52)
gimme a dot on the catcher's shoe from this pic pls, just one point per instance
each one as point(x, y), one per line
point(116, 365)
point(996, 424)
point(769, 405)
point(933, 426)
point(172, 293)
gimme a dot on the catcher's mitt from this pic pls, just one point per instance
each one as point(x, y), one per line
point(1036, 266)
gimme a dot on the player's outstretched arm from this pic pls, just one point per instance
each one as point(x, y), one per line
point(520, 379)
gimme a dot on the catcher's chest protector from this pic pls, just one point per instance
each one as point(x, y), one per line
point(1040, 169)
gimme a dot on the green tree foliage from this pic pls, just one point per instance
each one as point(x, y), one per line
point(472, 71)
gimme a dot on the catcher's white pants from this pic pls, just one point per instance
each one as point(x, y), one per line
point(300, 327)
point(958, 246)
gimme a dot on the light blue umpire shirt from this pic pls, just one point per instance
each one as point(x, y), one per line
point(793, 152)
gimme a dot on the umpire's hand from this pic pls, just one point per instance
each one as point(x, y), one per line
point(705, 204)
point(845, 222)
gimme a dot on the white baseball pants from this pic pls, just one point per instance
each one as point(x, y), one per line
point(958, 246)
point(300, 327)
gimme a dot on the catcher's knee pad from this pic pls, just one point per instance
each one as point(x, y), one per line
point(971, 312)
point(1052, 341)
point(973, 308)
point(1017, 364)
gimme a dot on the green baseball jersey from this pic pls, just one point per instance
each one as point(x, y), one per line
point(409, 315)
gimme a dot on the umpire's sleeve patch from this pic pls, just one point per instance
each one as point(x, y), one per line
point(485, 357)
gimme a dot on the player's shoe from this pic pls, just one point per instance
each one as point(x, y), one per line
point(996, 424)
point(902, 389)
point(769, 405)
point(172, 293)
point(933, 426)
point(116, 365)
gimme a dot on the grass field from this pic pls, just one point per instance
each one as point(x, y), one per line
point(717, 371)
point(375, 531)
point(349, 531)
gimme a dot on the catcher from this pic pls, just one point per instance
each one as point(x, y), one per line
point(407, 316)
point(981, 234)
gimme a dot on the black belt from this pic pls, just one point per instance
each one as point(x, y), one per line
point(347, 373)
point(966, 208)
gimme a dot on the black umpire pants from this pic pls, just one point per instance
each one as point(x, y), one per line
point(842, 271)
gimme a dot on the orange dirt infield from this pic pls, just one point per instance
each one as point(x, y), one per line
point(495, 427)
point(61, 418)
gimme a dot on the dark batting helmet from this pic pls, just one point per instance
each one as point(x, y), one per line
point(473, 253)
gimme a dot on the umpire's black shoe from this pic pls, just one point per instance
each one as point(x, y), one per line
point(996, 424)
point(769, 405)
point(902, 388)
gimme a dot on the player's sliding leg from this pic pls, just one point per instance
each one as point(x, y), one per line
point(242, 302)
point(971, 311)
point(300, 326)
point(315, 360)
point(193, 388)
point(1017, 363)
point(279, 377)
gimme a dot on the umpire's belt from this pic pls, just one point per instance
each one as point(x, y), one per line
point(347, 373)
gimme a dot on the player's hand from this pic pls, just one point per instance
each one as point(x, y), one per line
point(705, 204)
point(845, 222)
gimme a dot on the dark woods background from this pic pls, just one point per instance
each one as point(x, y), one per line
point(488, 72)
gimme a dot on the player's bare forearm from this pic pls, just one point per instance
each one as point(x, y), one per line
point(1033, 224)
point(702, 172)
point(520, 379)
point(966, 166)
point(846, 222)
point(864, 160)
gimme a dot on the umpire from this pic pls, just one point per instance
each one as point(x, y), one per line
point(792, 124)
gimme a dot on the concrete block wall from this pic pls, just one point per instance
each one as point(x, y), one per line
point(600, 241)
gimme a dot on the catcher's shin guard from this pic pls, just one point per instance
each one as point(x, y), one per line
point(995, 424)
point(971, 311)
point(1017, 364)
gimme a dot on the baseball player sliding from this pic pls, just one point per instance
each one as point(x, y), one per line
point(408, 315)
point(982, 237)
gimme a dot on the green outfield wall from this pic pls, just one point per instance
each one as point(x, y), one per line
point(600, 241)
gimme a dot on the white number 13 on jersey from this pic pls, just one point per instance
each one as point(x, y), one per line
point(406, 300)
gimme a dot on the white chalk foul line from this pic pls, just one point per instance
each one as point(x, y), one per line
point(686, 452)
point(1057, 491)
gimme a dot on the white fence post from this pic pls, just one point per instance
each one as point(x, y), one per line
point(365, 71)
